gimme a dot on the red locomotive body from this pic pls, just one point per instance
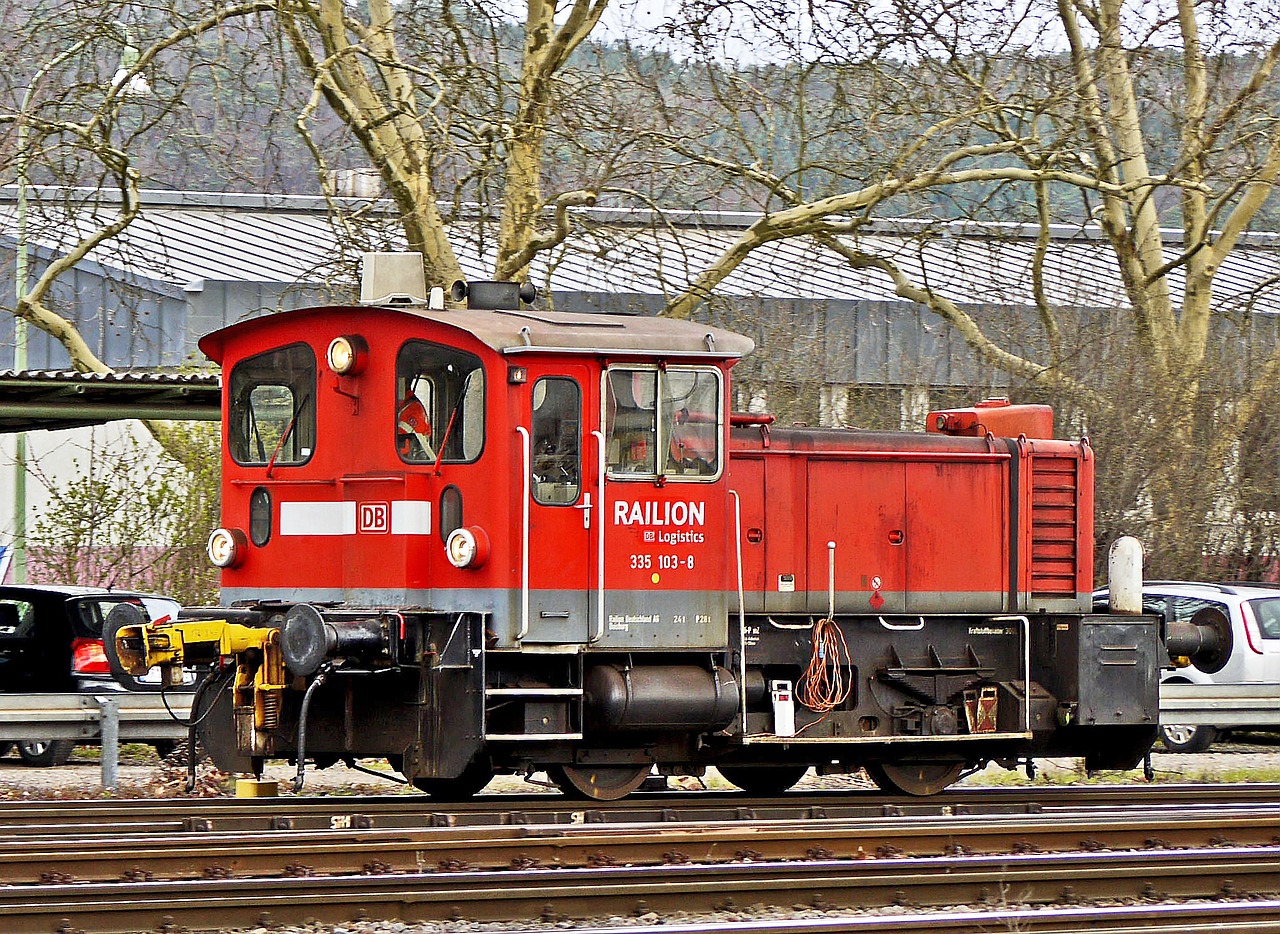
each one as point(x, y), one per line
point(916, 523)
point(505, 540)
point(347, 500)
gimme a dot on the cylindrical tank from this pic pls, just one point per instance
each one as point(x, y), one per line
point(1124, 575)
point(660, 698)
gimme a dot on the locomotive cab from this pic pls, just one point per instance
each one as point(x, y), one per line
point(470, 522)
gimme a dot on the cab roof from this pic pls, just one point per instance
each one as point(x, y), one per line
point(537, 331)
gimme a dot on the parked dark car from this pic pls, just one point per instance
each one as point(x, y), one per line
point(51, 641)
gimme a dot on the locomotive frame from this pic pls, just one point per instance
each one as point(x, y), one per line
point(494, 539)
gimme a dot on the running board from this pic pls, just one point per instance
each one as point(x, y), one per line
point(772, 740)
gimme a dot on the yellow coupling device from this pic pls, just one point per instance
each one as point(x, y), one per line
point(260, 671)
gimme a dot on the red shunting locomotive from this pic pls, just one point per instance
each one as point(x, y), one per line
point(488, 539)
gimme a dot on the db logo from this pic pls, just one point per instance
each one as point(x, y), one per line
point(373, 517)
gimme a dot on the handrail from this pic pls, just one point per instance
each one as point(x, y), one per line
point(1026, 661)
point(600, 468)
point(742, 610)
point(526, 452)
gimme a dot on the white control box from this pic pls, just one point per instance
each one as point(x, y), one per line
point(784, 708)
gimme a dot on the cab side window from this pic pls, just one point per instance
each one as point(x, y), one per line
point(663, 422)
point(557, 441)
point(273, 408)
point(630, 431)
point(691, 415)
point(439, 409)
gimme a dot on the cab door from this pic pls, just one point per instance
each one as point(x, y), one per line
point(561, 507)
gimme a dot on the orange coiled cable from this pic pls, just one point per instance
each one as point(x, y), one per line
point(822, 687)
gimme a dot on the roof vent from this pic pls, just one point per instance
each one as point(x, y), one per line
point(494, 296)
point(392, 279)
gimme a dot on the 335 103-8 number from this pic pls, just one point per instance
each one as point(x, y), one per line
point(666, 562)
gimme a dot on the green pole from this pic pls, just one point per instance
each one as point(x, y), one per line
point(20, 362)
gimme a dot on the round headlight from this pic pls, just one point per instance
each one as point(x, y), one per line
point(467, 547)
point(347, 355)
point(227, 547)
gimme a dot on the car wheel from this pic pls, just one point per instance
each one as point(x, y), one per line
point(165, 747)
point(1180, 738)
point(4, 748)
point(42, 752)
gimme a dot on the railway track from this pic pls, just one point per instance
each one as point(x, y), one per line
point(148, 815)
point(141, 865)
point(1148, 878)
point(190, 855)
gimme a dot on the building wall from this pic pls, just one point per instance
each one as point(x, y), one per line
point(55, 457)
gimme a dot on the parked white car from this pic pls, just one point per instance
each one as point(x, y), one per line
point(1249, 612)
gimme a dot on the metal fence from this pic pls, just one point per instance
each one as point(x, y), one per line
point(110, 718)
point(1221, 705)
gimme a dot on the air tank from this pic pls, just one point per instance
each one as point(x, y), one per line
point(660, 698)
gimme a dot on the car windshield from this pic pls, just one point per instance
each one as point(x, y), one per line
point(1266, 610)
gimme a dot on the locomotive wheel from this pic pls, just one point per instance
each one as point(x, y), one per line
point(598, 782)
point(913, 778)
point(472, 780)
point(763, 780)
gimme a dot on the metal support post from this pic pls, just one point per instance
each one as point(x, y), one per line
point(109, 728)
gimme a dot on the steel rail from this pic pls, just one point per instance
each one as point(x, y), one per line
point(26, 859)
point(1218, 917)
point(395, 811)
point(1028, 880)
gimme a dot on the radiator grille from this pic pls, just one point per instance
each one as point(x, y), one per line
point(1054, 495)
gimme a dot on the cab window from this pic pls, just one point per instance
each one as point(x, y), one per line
point(691, 415)
point(663, 422)
point(273, 408)
point(439, 410)
point(557, 441)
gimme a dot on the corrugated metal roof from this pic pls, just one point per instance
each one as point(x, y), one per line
point(66, 399)
point(183, 238)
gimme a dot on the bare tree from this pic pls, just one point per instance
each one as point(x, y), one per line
point(77, 120)
point(1139, 114)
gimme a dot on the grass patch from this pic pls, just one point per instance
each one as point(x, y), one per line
point(130, 754)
